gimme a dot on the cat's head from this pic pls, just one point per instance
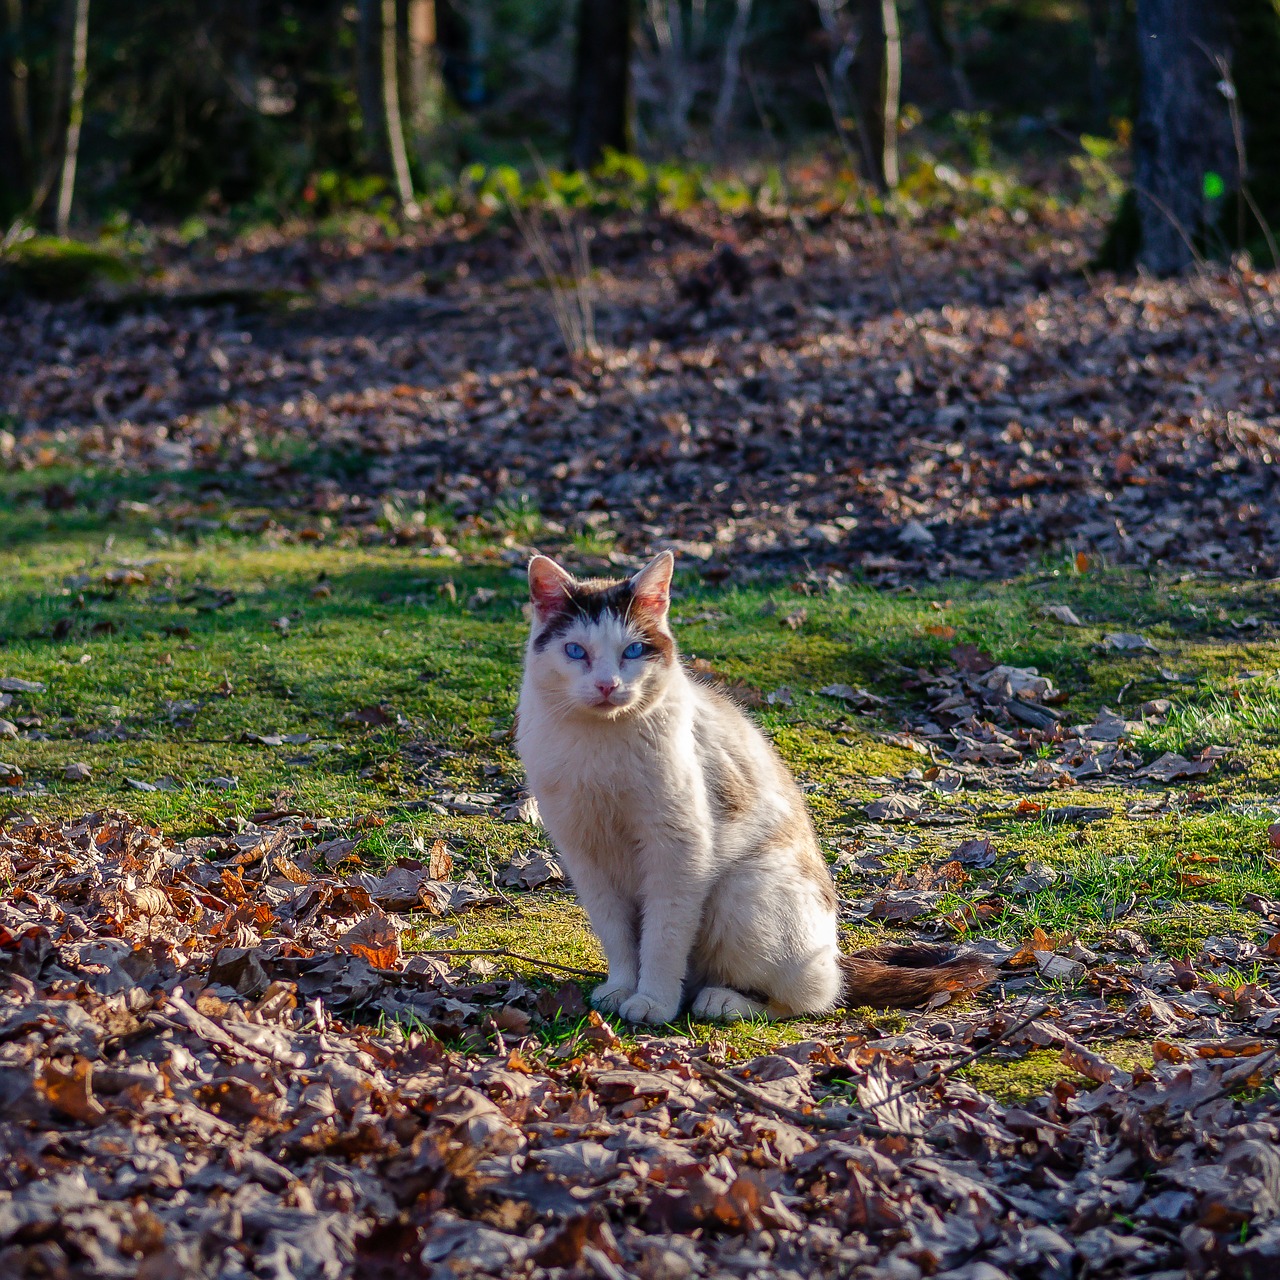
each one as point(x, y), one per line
point(601, 648)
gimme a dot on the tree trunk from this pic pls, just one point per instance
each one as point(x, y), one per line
point(15, 116)
point(1105, 18)
point(1183, 135)
point(934, 20)
point(1255, 29)
point(426, 87)
point(877, 72)
point(601, 91)
point(391, 112)
point(369, 84)
point(732, 69)
point(75, 114)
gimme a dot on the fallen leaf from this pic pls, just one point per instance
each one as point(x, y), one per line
point(373, 716)
point(1064, 613)
point(1127, 642)
point(375, 939)
point(894, 809)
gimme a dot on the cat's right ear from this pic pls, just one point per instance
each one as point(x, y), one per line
point(549, 586)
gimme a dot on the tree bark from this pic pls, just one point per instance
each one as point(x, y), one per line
point(1255, 27)
point(877, 73)
point(732, 69)
point(934, 20)
point(426, 87)
point(75, 114)
point(1183, 132)
point(15, 117)
point(369, 84)
point(601, 91)
point(392, 121)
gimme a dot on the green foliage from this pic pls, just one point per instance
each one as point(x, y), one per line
point(54, 267)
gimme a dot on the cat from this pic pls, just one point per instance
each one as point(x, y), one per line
point(686, 838)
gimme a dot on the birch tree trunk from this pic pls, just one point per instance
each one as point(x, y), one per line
point(601, 90)
point(391, 118)
point(877, 71)
point(732, 70)
point(75, 114)
point(426, 87)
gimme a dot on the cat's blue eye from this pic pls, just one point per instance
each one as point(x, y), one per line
point(634, 650)
point(575, 651)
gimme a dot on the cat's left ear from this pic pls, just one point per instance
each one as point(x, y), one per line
point(651, 587)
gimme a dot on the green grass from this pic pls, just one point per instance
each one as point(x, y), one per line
point(161, 678)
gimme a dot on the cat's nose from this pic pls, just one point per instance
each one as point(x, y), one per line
point(606, 687)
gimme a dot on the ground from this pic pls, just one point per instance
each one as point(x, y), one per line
point(988, 555)
point(173, 651)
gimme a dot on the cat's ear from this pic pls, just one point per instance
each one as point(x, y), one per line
point(549, 586)
point(651, 587)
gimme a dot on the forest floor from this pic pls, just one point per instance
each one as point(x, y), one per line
point(995, 568)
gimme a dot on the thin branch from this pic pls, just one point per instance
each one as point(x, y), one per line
point(731, 1083)
point(1236, 278)
point(515, 955)
point(934, 1077)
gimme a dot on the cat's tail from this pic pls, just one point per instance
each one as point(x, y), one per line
point(891, 977)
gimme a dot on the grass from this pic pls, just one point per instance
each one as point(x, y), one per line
point(168, 622)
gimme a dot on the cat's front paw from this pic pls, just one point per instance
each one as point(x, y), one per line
point(643, 1008)
point(609, 997)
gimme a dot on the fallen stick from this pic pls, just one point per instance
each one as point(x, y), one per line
point(744, 1091)
point(515, 955)
point(943, 1072)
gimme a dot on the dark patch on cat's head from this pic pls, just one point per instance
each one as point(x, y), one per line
point(597, 598)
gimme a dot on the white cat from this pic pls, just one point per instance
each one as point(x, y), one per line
point(685, 836)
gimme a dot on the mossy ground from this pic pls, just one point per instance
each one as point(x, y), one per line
point(168, 641)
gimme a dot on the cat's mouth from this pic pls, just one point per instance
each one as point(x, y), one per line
point(610, 702)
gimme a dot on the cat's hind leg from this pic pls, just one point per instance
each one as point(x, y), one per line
point(725, 1005)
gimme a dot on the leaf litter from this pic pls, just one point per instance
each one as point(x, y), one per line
point(996, 724)
point(217, 1060)
point(1013, 403)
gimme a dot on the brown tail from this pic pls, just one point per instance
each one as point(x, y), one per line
point(892, 977)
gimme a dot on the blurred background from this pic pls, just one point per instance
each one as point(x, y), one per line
point(191, 112)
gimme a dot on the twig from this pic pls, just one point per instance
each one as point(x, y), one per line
point(515, 955)
point(812, 1120)
point(1235, 1077)
point(896, 287)
point(943, 1072)
point(727, 1083)
point(1235, 276)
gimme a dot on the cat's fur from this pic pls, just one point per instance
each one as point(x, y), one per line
point(685, 836)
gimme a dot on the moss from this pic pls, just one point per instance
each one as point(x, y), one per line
point(548, 926)
point(54, 267)
point(1015, 1080)
point(182, 666)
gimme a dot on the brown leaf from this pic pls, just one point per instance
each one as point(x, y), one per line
point(564, 1002)
point(374, 939)
point(69, 1089)
point(439, 861)
point(375, 717)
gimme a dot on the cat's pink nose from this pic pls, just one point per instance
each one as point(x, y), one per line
point(606, 687)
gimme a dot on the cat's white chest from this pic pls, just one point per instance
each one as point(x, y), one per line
point(597, 788)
